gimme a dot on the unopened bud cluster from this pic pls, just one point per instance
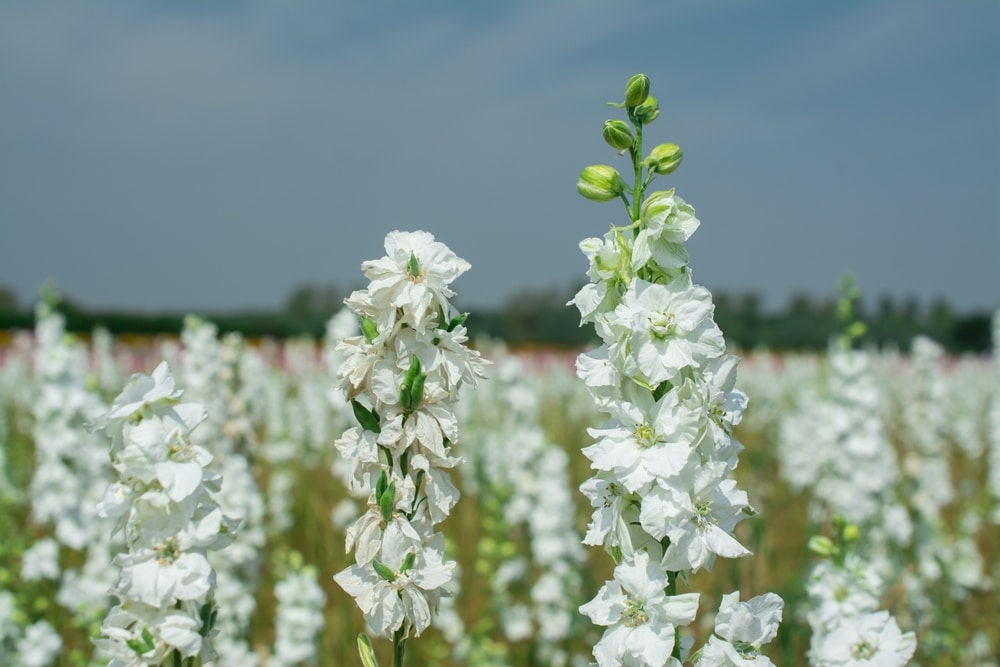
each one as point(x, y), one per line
point(601, 182)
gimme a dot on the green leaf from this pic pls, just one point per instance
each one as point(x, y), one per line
point(367, 418)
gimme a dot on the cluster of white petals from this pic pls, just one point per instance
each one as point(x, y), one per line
point(299, 618)
point(164, 503)
point(402, 376)
point(663, 496)
point(741, 628)
point(847, 626)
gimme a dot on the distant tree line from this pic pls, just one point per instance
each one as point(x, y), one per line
point(542, 318)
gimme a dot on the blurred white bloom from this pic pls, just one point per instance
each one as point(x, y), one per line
point(869, 639)
point(40, 645)
point(299, 619)
point(41, 561)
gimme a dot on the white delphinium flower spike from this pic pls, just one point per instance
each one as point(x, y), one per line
point(401, 377)
point(663, 491)
point(165, 505)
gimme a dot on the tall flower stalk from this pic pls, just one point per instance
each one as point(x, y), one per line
point(164, 503)
point(402, 376)
point(665, 504)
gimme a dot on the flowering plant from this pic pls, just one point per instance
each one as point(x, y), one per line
point(401, 377)
point(664, 502)
point(164, 502)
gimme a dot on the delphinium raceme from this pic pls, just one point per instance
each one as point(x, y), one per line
point(402, 376)
point(164, 503)
point(665, 504)
point(513, 469)
point(209, 373)
point(853, 472)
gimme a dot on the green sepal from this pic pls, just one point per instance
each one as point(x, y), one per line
point(457, 321)
point(208, 613)
point(383, 571)
point(366, 651)
point(616, 554)
point(387, 502)
point(408, 562)
point(368, 328)
point(368, 419)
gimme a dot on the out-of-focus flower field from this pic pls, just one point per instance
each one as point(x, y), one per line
point(904, 446)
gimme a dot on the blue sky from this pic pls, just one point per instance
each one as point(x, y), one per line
point(211, 156)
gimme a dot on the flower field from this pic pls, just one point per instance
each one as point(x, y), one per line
point(905, 447)
point(398, 494)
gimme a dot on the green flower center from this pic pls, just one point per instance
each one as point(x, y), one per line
point(703, 512)
point(864, 650)
point(413, 270)
point(645, 435)
point(168, 552)
point(663, 325)
point(634, 614)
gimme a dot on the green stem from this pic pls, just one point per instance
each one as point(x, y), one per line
point(397, 648)
point(637, 166)
point(672, 590)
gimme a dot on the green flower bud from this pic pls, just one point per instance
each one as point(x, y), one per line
point(387, 502)
point(383, 570)
point(851, 532)
point(636, 90)
point(665, 158)
point(821, 545)
point(599, 182)
point(367, 651)
point(648, 111)
point(618, 135)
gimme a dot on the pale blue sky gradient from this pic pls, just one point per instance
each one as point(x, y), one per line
point(211, 156)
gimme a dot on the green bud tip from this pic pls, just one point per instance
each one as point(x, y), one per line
point(599, 182)
point(618, 135)
point(636, 90)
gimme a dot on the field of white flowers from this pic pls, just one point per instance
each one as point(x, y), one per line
point(212, 500)
point(905, 447)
